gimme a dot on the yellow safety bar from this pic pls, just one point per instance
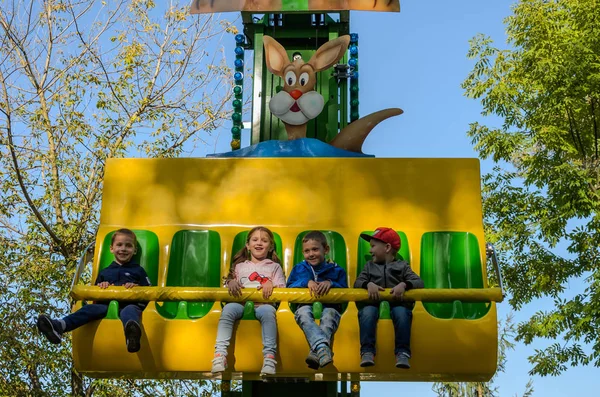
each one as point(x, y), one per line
point(292, 295)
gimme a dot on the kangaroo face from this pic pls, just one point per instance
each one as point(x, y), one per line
point(298, 103)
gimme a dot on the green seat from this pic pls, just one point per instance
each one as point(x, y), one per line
point(452, 260)
point(238, 243)
point(364, 256)
point(194, 261)
point(337, 254)
point(146, 256)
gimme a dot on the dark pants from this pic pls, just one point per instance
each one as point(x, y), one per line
point(97, 311)
point(367, 321)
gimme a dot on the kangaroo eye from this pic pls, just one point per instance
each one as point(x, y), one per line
point(304, 79)
point(290, 78)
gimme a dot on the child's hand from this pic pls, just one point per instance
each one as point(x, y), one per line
point(324, 287)
point(267, 289)
point(104, 284)
point(373, 290)
point(235, 288)
point(398, 291)
point(313, 288)
point(130, 285)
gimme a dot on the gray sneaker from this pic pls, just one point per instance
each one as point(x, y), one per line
point(402, 360)
point(367, 359)
point(312, 360)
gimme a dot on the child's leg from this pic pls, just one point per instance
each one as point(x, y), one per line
point(266, 315)
point(130, 313)
point(87, 314)
point(330, 321)
point(402, 318)
point(130, 316)
point(230, 314)
point(306, 320)
point(367, 321)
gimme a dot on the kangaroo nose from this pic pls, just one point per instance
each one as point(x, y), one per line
point(296, 94)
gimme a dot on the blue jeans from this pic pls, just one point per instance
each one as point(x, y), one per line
point(367, 321)
point(317, 334)
point(97, 311)
point(232, 312)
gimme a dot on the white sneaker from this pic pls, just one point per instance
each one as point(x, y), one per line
point(219, 363)
point(269, 364)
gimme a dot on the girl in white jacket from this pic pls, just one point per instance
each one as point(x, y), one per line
point(254, 266)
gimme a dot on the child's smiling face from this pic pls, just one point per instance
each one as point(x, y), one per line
point(314, 252)
point(259, 245)
point(123, 248)
point(379, 250)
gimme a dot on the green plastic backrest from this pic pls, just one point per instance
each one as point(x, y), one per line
point(364, 256)
point(146, 256)
point(194, 261)
point(452, 259)
point(337, 254)
point(238, 243)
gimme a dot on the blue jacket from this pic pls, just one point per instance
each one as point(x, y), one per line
point(118, 275)
point(302, 273)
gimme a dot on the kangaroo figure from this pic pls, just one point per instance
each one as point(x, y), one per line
point(298, 102)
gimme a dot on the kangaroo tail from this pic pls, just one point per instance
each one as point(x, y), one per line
point(353, 135)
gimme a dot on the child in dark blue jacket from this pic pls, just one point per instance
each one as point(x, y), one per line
point(121, 272)
point(319, 276)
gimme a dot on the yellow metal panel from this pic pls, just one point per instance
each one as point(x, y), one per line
point(290, 195)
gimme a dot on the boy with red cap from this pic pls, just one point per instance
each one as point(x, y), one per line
point(385, 271)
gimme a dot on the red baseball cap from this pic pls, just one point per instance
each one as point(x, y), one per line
point(385, 234)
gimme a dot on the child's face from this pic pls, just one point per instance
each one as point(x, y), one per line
point(379, 250)
point(123, 248)
point(259, 245)
point(314, 252)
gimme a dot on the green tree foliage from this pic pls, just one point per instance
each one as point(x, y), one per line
point(486, 389)
point(82, 81)
point(543, 194)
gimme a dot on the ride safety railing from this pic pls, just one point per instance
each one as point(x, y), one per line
point(291, 295)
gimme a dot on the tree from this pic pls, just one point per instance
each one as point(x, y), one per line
point(486, 389)
point(80, 82)
point(543, 193)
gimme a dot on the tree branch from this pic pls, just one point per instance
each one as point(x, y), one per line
point(17, 169)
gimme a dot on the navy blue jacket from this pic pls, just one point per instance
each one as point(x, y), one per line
point(302, 273)
point(118, 275)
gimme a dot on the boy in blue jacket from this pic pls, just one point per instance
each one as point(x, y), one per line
point(319, 276)
point(122, 271)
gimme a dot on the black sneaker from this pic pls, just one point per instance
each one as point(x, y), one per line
point(312, 360)
point(49, 328)
point(133, 333)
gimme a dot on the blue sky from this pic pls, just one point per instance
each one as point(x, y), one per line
point(416, 60)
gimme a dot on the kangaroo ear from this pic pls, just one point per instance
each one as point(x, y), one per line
point(275, 56)
point(329, 53)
